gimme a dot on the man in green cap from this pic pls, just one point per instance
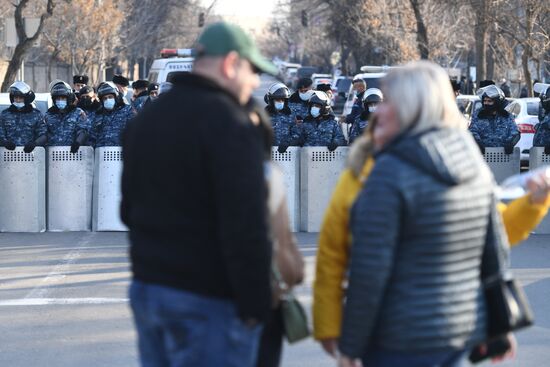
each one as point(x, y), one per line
point(194, 199)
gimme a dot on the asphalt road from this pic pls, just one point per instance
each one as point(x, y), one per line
point(64, 301)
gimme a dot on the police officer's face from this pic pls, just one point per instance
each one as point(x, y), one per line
point(78, 86)
point(108, 96)
point(305, 89)
point(488, 102)
point(359, 87)
point(18, 99)
point(154, 94)
point(61, 98)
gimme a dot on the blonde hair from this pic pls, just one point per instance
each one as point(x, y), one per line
point(423, 97)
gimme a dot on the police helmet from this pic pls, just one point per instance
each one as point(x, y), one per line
point(277, 91)
point(106, 88)
point(372, 95)
point(62, 89)
point(21, 89)
point(321, 99)
point(493, 92)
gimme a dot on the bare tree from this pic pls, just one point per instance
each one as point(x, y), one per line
point(25, 42)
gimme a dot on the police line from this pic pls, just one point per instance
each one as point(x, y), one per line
point(81, 192)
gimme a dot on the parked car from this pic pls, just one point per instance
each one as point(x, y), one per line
point(340, 90)
point(284, 66)
point(525, 112)
point(465, 103)
point(289, 75)
point(321, 79)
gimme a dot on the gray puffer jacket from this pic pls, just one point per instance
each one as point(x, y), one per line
point(419, 227)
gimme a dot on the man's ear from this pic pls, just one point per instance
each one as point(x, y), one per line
point(229, 65)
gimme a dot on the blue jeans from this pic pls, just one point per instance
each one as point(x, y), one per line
point(178, 328)
point(387, 358)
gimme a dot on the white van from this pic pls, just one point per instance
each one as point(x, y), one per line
point(172, 61)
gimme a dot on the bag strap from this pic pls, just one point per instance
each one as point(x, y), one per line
point(495, 259)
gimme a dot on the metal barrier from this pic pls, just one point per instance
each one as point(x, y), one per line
point(501, 164)
point(107, 191)
point(289, 163)
point(70, 179)
point(319, 173)
point(22, 190)
point(537, 159)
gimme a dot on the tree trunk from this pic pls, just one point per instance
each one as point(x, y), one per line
point(526, 72)
point(14, 65)
point(421, 31)
point(491, 56)
point(480, 30)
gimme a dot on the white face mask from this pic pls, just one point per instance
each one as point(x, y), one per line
point(304, 96)
point(109, 103)
point(61, 104)
point(279, 105)
point(315, 111)
point(372, 109)
point(19, 105)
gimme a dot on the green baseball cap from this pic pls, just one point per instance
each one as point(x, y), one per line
point(221, 38)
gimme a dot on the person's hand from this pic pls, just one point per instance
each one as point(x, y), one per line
point(74, 147)
point(345, 361)
point(547, 149)
point(332, 147)
point(509, 149)
point(511, 353)
point(282, 148)
point(330, 345)
point(9, 145)
point(29, 147)
point(539, 187)
point(299, 119)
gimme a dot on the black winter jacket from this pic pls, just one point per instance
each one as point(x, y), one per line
point(419, 228)
point(194, 196)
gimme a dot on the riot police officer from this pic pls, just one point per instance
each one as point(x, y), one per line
point(299, 100)
point(67, 124)
point(111, 119)
point(320, 127)
point(152, 93)
point(492, 125)
point(281, 116)
point(140, 93)
point(21, 124)
point(359, 87)
point(371, 98)
point(87, 101)
point(542, 134)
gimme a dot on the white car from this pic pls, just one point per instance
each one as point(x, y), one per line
point(321, 79)
point(525, 112)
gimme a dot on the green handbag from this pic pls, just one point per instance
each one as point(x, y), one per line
point(294, 316)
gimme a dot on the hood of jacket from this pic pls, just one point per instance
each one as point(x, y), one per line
point(449, 155)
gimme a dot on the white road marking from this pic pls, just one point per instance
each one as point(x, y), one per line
point(60, 301)
point(59, 271)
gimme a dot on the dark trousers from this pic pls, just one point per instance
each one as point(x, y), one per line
point(271, 341)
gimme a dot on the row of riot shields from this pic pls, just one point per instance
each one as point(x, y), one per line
point(53, 189)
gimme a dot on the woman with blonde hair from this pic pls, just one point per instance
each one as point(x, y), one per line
point(334, 238)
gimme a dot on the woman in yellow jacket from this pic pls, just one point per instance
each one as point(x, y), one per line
point(520, 217)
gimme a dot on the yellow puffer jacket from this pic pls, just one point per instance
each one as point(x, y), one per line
point(520, 217)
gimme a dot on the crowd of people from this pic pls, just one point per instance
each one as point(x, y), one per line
point(405, 245)
point(80, 115)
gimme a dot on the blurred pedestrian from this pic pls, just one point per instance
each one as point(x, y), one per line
point(299, 100)
point(111, 119)
point(140, 93)
point(403, 255)
point(79, 81)
point(371, 99)
point(493, 126)
point(520, 218)
point(320, 127)
point(21, 124)
point(281, 116)
point(359, 88)
point(67, 124)
point(200, 248)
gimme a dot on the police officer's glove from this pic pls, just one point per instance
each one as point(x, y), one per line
point(74, 147)
point(481, 147)
point(29, 147)
point(9, 145)
point(332, 147)
point(282, 148)
point(547, 149)
point(509, 149)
